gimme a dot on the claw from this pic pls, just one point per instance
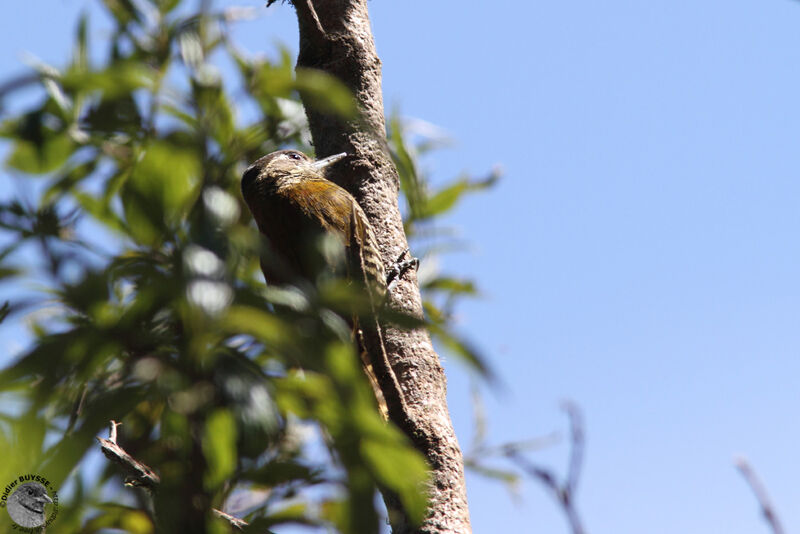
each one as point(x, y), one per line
point(399, 268)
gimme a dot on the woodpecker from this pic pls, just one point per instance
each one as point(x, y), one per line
point(293, 204)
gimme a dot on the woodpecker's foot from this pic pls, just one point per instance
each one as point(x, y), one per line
point(399, 268)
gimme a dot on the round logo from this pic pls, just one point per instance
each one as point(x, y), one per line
point(27, 501)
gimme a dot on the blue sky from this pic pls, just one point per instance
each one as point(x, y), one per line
point(640, 256)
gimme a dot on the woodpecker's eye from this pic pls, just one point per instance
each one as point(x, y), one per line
point(294, 156)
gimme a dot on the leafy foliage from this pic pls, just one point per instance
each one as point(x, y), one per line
point(155, 312)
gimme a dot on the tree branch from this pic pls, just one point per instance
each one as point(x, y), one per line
point(141, 475)
point(758, 488)
point(346, 50)
point(563, 492)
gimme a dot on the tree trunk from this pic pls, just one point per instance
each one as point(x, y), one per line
point(335, 37)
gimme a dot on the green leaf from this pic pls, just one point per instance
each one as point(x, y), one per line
point(119, 79)
point(185, 117)
point(160, 191)
point(267, 84)
point(325, 93)
point(80, 58)
point(69, 180)
point(446, 198)
point(400, 467)
point(219, 447)
point(123, 11)
point(452, 285)
point(406, 168)
point(296, 513)
point(263, 326)
point(510, 478)
point(215, 112)
point(100, 210)
point(308, 395)
point(464, 350)
point(278, 472)
point(24, 448)
point(116, 516)
point(165, 6)
point(111, 115)
point(97, 410)
point(49, 155)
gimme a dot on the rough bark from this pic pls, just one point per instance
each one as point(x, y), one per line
point(336, 37)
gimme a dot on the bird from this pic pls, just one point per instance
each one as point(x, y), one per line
point(26, 505)
point(294, 205)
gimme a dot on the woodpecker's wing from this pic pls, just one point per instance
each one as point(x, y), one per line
point(338, 212)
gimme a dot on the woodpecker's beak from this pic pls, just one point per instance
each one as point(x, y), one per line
point(330, 160)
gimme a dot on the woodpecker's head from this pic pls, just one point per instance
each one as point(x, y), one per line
point(283, 168)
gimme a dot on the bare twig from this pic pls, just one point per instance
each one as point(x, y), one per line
point(239, 524)
point(20, 82)
point(564, 492)
point(140, 475)
point(767, 508)
point(77, 408)
point(577, 448)
point(480, 448)
point(506, 449)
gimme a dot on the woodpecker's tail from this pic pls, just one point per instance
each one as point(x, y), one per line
point(366, 364)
